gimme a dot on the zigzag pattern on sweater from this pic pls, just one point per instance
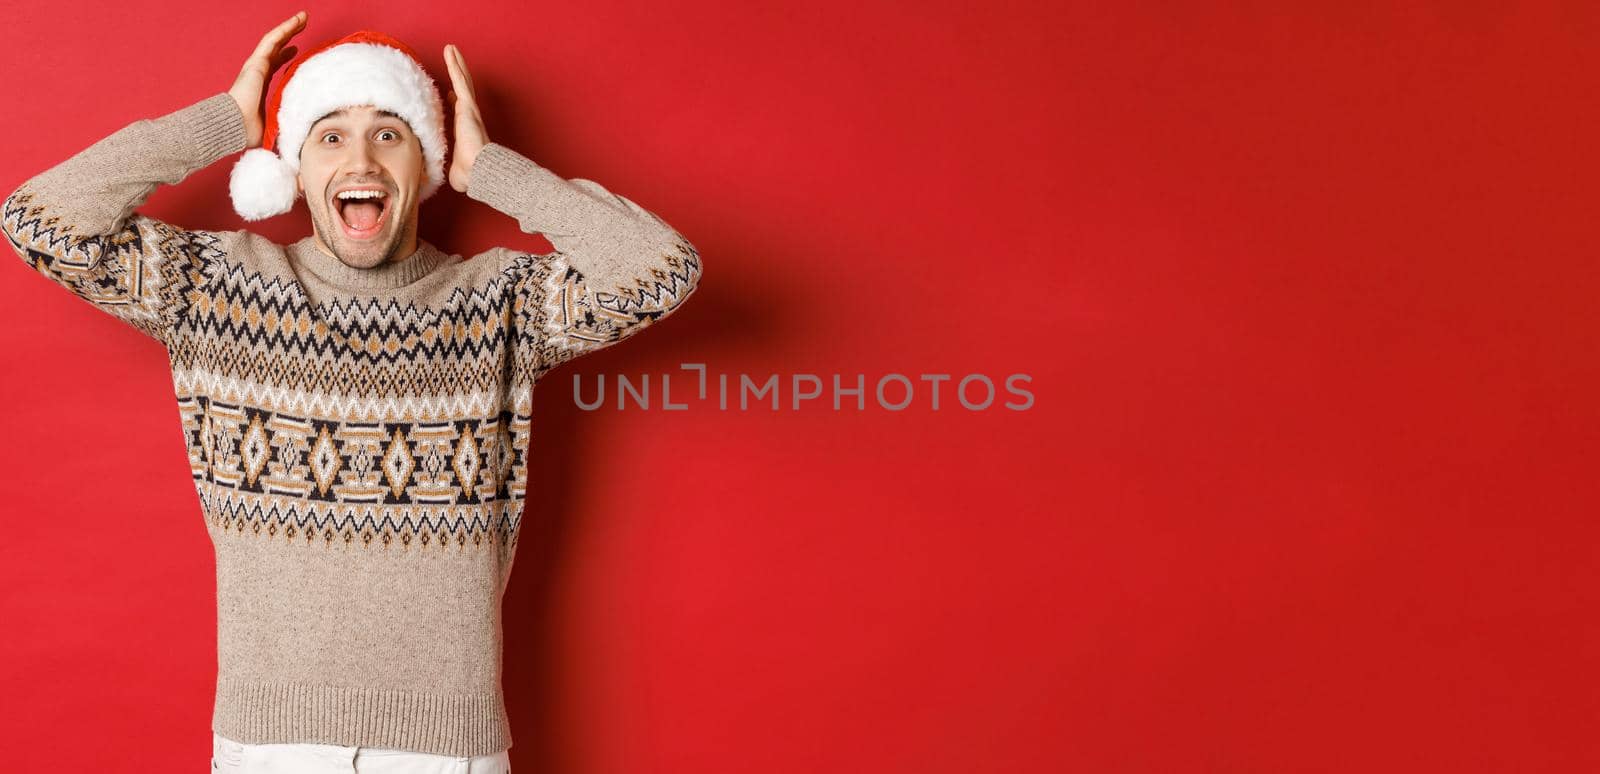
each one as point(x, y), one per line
point(363, 526)
point(381, 411)
point(141, 273)
point(357, 438)
point(247, 308)
point(258, 340)
point(572, 321)
point(361, 421)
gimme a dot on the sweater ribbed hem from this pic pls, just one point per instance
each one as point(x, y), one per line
point(441, 724)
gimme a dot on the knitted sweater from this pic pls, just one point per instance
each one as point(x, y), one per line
point(356, 436)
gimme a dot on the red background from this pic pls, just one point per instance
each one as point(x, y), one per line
point(1306, 295)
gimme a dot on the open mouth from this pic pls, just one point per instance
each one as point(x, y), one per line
point(361, 216)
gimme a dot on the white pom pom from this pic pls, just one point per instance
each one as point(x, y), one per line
point(262, 185)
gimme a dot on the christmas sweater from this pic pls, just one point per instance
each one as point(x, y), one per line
point(357, 437)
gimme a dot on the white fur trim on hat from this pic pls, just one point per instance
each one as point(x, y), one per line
point(263, 183)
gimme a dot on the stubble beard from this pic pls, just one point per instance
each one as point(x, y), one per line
point(360, 255)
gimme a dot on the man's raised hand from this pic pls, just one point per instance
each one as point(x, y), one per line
point(249, 90)
point(470, 134)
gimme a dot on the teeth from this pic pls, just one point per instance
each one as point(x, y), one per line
point(360, 195)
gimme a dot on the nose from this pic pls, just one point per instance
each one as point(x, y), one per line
point(363, 159)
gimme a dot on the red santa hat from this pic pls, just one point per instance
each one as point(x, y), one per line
point(363, 68)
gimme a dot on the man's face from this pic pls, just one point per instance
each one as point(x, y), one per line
point(363, 148)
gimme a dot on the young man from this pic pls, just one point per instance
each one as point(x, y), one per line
point(356, 403)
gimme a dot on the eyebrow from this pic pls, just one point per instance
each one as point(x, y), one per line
point(345, 111)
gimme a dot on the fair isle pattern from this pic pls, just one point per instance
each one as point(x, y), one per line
point(343, 422)
point(257, 365)
point(573, 321)
point(381, 485)
point(357, 437)
point(261, 370)
point(450, 462)
point(258, 340)
point(140, 274)
point(344, 525)
point(367, 423)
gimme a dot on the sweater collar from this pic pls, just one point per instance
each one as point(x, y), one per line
point(393, 274)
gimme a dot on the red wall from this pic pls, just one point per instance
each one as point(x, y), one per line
point(1306, 298)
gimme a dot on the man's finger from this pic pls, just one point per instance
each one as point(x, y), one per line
point(456, 79)
point(278, 34)
point(458, 71)
point(290, 23)
point(461, 64)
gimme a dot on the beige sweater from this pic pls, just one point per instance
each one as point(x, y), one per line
point(356, 436)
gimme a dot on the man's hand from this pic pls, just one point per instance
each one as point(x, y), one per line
point(470, 134)
point(250, 88)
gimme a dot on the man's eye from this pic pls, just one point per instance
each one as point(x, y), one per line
point(330, 134)
point(392, 132)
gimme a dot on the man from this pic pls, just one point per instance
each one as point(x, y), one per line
point(356, 404)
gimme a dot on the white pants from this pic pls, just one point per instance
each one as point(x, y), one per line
point(231, 757)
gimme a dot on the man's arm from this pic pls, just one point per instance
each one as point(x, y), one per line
point(617, 267)
point(75, 222)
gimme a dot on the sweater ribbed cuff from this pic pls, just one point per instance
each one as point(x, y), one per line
point(539, 199)
point(217, 126)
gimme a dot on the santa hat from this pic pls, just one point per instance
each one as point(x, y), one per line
point(363, 68)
